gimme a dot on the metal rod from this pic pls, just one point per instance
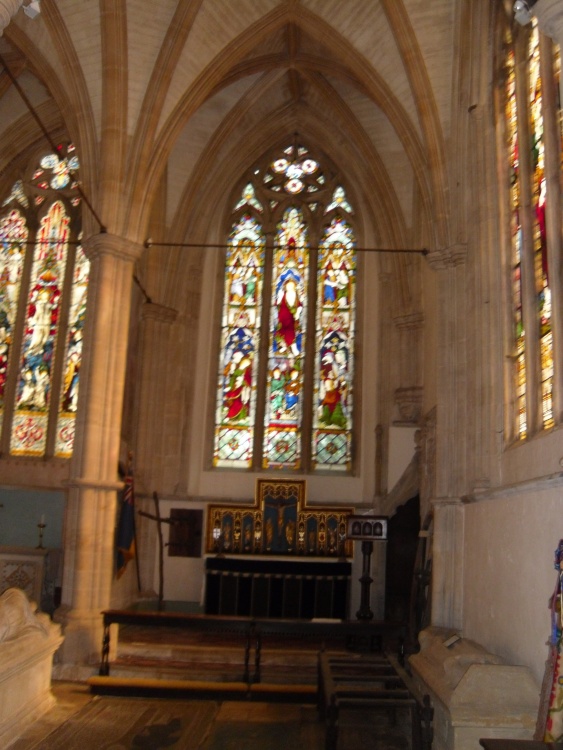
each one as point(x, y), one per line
point(217, 246)
point(50, 141)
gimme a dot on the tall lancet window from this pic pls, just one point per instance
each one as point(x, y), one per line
point(539, 197)
point(511, 114)
point(43, 286)
point(286, 365)
point(533, 198)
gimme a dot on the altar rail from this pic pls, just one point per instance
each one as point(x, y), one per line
point(352, 634)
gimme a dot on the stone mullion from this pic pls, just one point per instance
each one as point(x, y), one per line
point(309, 333)
point(90, 523)
point(263, 348)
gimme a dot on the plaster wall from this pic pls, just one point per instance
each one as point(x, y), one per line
point(183, 576)
point(509, 542)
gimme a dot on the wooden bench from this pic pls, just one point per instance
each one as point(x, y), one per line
point(375, 682)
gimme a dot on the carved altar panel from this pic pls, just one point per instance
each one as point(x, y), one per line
point(279, 523)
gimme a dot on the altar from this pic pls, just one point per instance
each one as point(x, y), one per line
point(278, 558)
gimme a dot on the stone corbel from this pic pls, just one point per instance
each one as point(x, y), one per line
point(409, 404)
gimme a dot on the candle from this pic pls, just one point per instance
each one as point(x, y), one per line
point(43, 519)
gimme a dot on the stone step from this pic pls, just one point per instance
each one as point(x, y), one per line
point(236, 690)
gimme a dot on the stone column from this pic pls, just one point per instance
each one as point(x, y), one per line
point(447, 564)
point(91, 507)
point(154, 412)
point(8, 9)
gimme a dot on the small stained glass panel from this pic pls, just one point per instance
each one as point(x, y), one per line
point(68, 402)
point(42, 324)
point(335, 323)
point(512, 143)
point(539, 200)
point(286, 351)
point(238, 365)
point(13, 236)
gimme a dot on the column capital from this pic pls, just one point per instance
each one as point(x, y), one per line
point(111, 244)
point(8, 9)
point(550, 18)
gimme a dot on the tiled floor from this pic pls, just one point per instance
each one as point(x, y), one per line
point(259, 726)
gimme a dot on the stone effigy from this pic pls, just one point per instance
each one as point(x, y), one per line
point(28, 641)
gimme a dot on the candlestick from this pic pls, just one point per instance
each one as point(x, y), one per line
point(41, 526)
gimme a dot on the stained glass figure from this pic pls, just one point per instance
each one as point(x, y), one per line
point(335, 321)
point(68, 402)
point(29, 427)
point(237, 377)
point(282, 437)
point(539, 195)
point(13, 236)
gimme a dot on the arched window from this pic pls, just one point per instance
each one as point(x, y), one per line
point(286, 368)
point(43, 287)
point(529, 69)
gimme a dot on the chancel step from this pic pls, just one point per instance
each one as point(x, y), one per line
point(204, 689)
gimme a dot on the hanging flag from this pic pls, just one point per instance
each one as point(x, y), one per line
point(549, 728)
point(125, 538)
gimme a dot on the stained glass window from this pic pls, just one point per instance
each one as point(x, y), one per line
point(332, 435)
point(516, 242)
point(13, 236)
point(49, 305)
point(68, 402)
point(282, 440)
point(237, 377)
point(539, 194)
point(305, 293)
point(532, 347)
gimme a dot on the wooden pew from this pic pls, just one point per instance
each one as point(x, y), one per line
point(375, 682)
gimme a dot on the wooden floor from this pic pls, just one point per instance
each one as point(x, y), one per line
point(82, 721)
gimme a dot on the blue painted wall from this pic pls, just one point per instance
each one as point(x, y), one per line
point(22, 511)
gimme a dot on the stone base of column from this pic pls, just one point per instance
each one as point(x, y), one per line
point(81, 650)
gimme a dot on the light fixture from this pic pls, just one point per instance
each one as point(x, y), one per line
point(523, 11)
point(33, 9)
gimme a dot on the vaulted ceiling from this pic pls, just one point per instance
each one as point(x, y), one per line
point(178, 98)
